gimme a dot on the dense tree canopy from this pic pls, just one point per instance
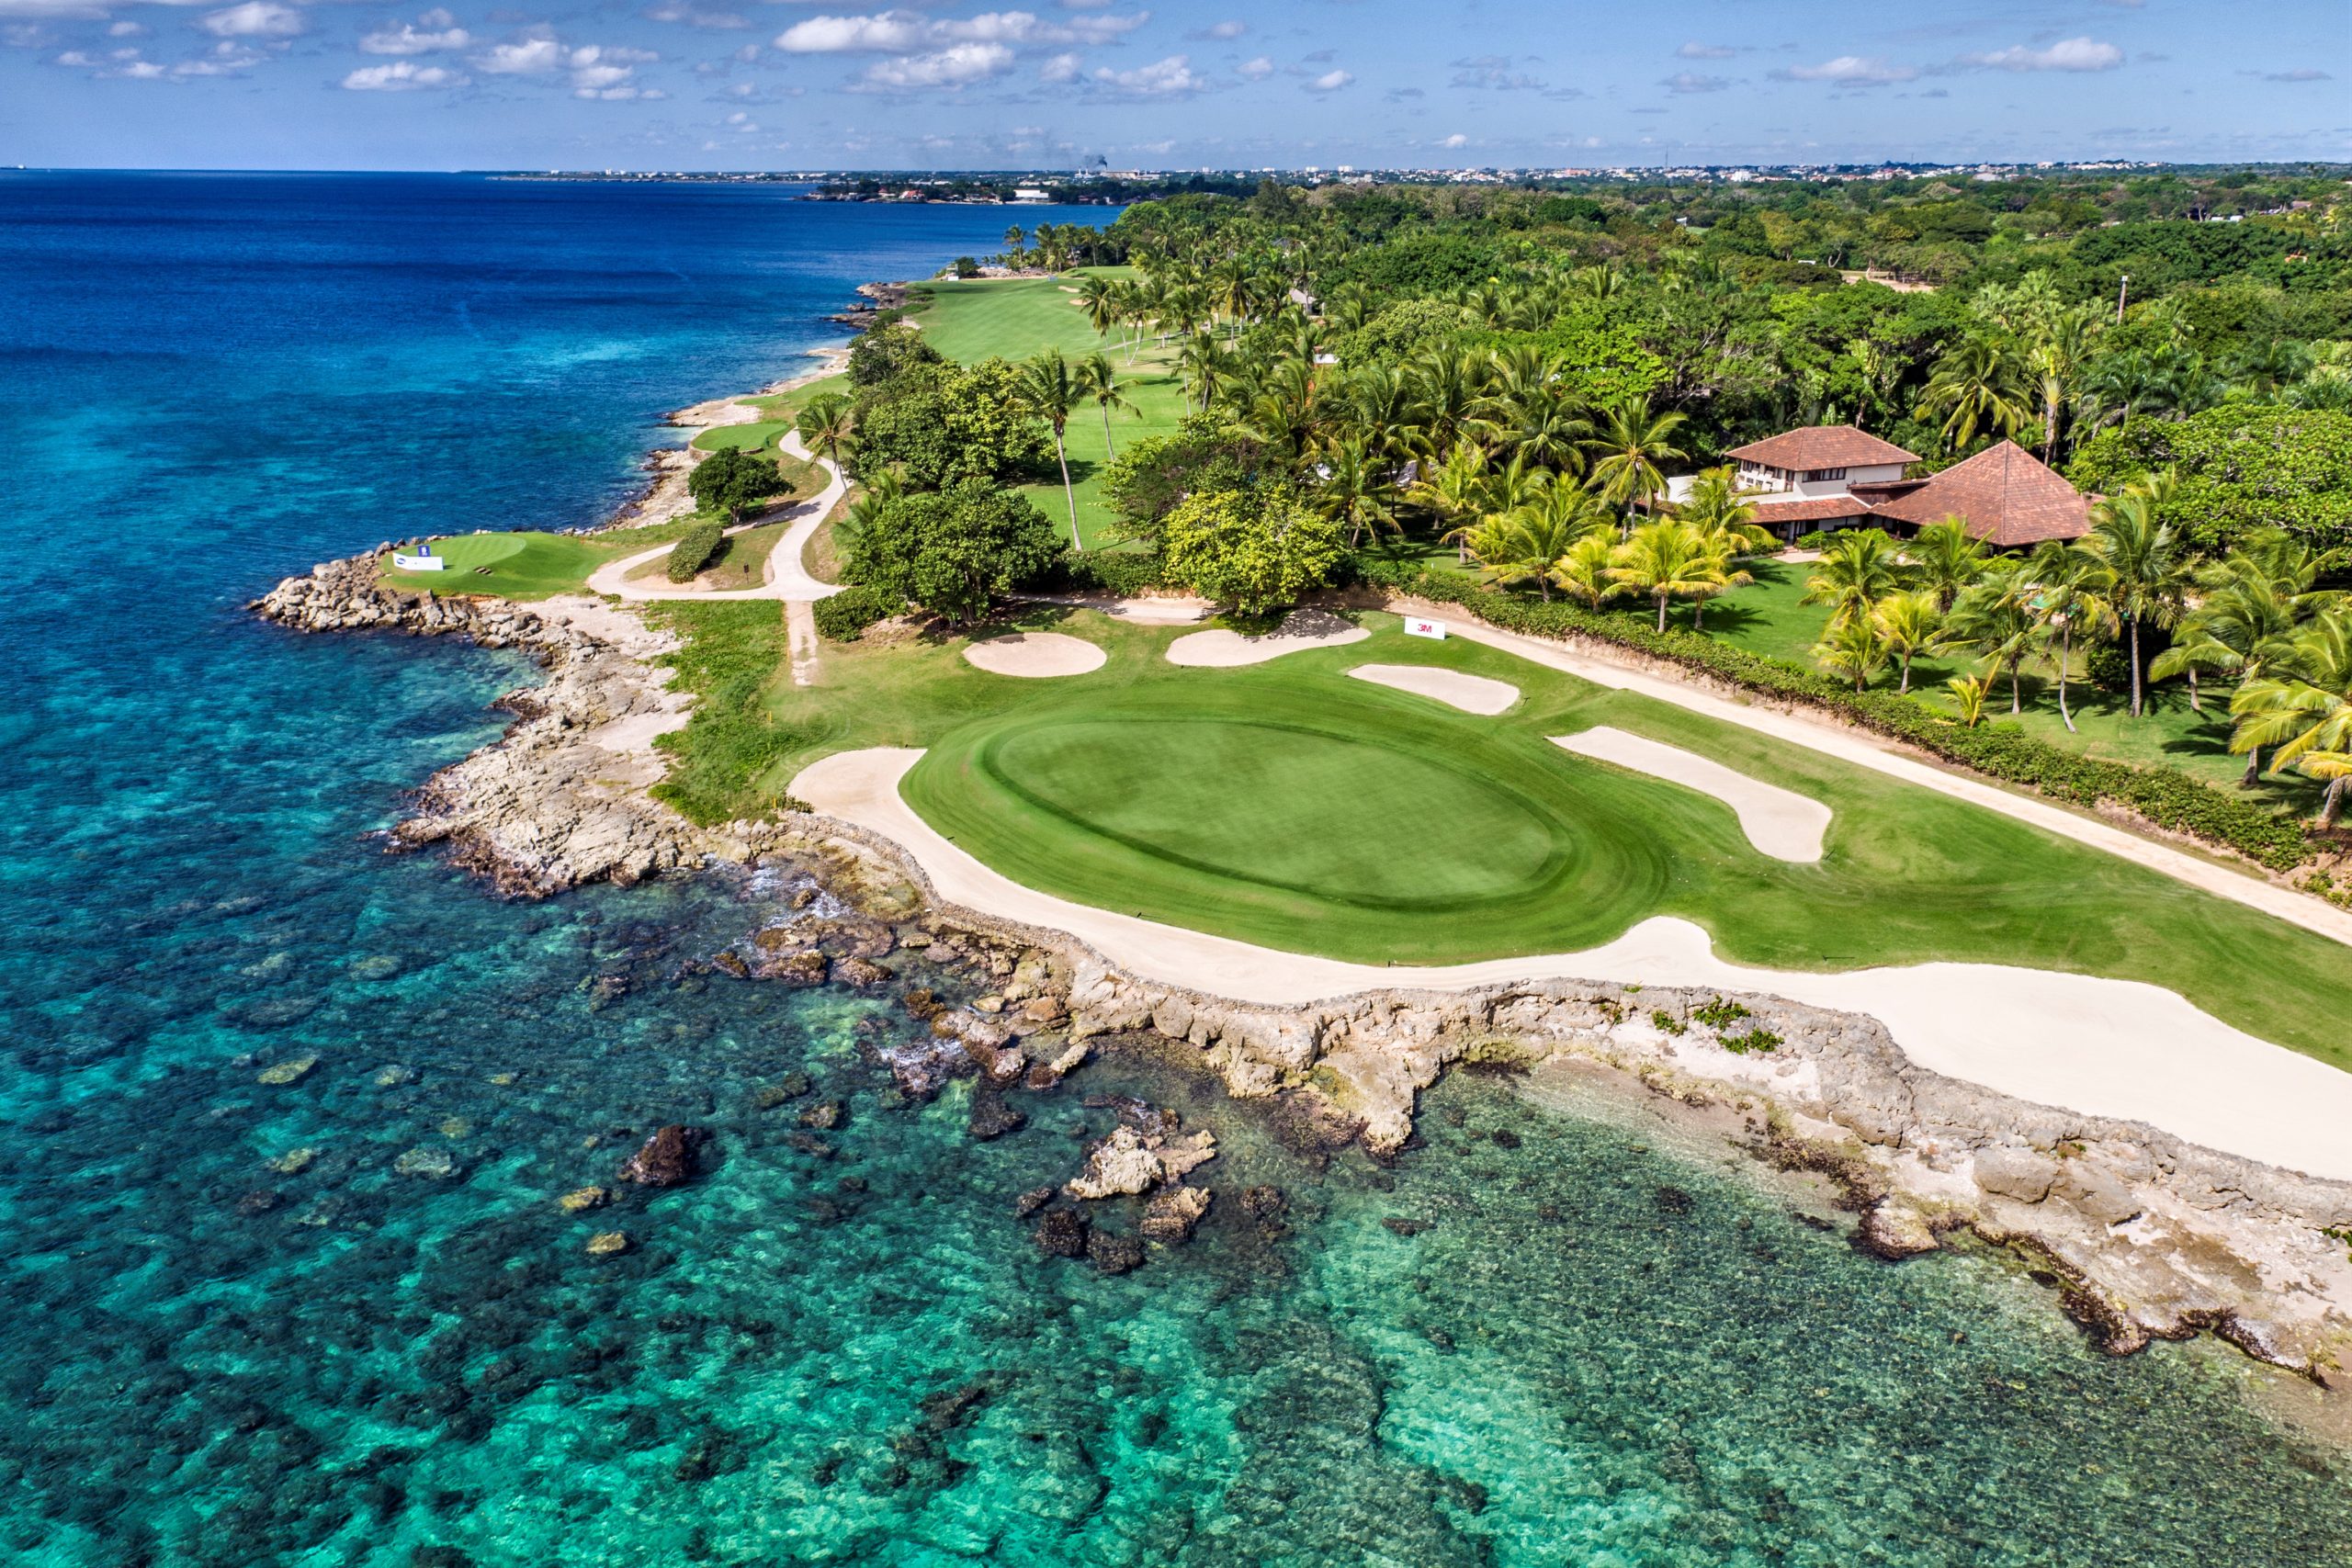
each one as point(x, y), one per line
point(1255, 549)
point(2240, 467)
point(951, 551)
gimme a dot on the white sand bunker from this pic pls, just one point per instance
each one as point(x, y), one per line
point(1036, 655)
point(1779, 822)
point(1471, 693)
point(1300, 630)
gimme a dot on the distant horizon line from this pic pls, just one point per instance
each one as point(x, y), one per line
point(1556, 169)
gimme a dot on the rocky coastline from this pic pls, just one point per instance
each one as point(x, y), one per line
point(2142, 1235)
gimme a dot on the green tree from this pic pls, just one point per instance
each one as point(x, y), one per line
point(2148, 564)
point(1052, 390)
point(1723, 512)
point(1665, 560)
point(951, 551)
point(1858, 567)
point(1851, 650)
point(1255, 550)
point(2074, 602)
point(1356, 488)
point(1099, 380)
point(1979, 384)
point(1583, 573)
point(730, 479)
point(1994, 617)
point(948, 424)
point(2248, 607)
point(2239, 467)
point(1628, 443)
point(2302, 706)
point(1526, 543)
point(825, 425)
point(883, 353)
point(1906, 624)
point(1946, 557)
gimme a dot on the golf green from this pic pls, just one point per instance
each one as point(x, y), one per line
point(1318, 821)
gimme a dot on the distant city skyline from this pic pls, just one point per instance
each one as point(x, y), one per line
point(756, 85)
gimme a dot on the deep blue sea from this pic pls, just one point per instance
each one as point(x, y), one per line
point(233, 1333)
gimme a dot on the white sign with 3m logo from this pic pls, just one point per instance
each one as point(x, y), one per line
point(1414, 625)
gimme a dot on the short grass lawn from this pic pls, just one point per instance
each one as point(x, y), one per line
point(1771, 617)
point(1288, 805)
point(742, 561)
point(757, 436)
point(525, 565)
point(1015, 318)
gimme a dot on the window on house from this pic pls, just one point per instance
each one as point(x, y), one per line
point(1827, 474)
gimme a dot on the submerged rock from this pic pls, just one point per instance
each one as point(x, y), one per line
point(823, 1116)
point(435, 1164)
point(1171, 1215)
point(1062, 1234)
point(1113, 1254)
point(992, 1118)
point(862, 973)
point(1029, 1203)
point(294, 1070)
point(665, 1159)
point(293, 1162)
point(392, 1074)
point(607, 1244)
point(580, 1199)
point(1895, 1231)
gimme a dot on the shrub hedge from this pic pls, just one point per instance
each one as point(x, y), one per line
point(694, 549)
point(2166, 796)
point(1105, 571)
point(843, 615)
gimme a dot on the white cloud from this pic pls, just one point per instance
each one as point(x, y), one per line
point(402, 76)
point(1330, 82)
point(1061, 68)
point(1256, 70)
point(1693, 82)
point(955, 67)
point(1851, 69)
point(125, 30)
point(1171, 78)
point(433, 31)
point(696, 17)
point(1455, 140)
point(524, 57)
point(1225, 30)
point(2066, 54)
point(901, 31)
point(254, 18)
point(1694, 49)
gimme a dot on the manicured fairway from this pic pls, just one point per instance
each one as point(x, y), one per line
point(752, 437)
point(1290, 805)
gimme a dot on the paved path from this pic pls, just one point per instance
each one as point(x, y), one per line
point(1867, 750)
point(786, 578)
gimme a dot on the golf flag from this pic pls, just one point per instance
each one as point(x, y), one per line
point(1416, 625)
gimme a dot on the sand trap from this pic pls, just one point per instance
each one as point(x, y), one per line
point(1036, 655)
point(1300, 630)
point(1779, 822)
point(1471, 693)
point(2102, 1047)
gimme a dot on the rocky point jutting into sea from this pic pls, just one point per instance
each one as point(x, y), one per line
point(2139, 1235)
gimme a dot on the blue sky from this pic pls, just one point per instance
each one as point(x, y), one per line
point(815, 83)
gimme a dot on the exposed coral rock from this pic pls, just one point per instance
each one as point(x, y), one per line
point(1171, 1215)
point(665, 1159)
point(580, 1199)
point(607, 1244)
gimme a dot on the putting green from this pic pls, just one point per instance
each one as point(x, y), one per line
point(466, 551)
point(1320, 820)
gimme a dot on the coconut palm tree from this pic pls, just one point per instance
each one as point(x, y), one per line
point(1851, 650)
point(1356, 488)
point(1967, 699)
point(1051, 390)
point(1979, 384)
point(1858, 567)
point(1453, 491)
point(1628, 443)
point(1521, 546)
point(1994, 617)
point(1099, 297)
point(2249, 606)
point(1012, 237)
point(2061, 339)
point(1906, 625)
point(2074, 601)
point(1718, 508)
point(1945, 556)
point(1583, 573)
point(1098, 379)
point(1204, 366)
point(2302, 706)
point(825, 425)
point(2148, 560)
point(1544, 429)
point(1665, 560)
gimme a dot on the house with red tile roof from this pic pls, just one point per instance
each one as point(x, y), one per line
point(1834, 475)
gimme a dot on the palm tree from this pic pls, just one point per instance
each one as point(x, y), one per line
point(2073, 598)
point(1203, 365)
point(2248, 608)
point(1051, 390)
point(1858, 567)
point(1098, 296)
point(1979, 383)
point(1356, 490)
point(1012, 237)
point(1905, 625)
point(1852, 650)
point(1521, 546)
point(1996, 618)
point(1945, 556)
point(825, 425)
point(1967, 699)
point(1099, 380)
point(1667, 560)
point(2148, 560)
point(1718, 508)
point(1452, 491)
point(2303, 707)
point(1583, 572)
point(2062, 344)
point(1543, 430)
point(1628, 445)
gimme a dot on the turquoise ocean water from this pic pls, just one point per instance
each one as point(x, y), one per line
point(1581, 1343)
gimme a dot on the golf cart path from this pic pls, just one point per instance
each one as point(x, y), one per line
point(1868, 752)
point(789, 582)
point(2119, 1048)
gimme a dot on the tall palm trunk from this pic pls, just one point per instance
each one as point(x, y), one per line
point(2332, 805)
point(2194, 706)
point(1108, 448)
point(1904, 690)
point(2065, 657)
point(2017, 703)
point(1661, 611)
point(1068, 494)
point(2135, 667)
point(2253, 768)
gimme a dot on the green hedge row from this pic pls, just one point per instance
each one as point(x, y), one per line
point(2166, 796)
point(843, 615)
point(1122, 573)
point(694, 549)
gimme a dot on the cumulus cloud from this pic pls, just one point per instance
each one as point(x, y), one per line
point(254, 18)
point(535, 56)
point(1256, 70)
point(904, 31)
point(693, 16)
point(1222, 32)
point(1171, 78)
point(956, 66)
point(1693, 82)
point(1851, 70)
point(1061, 68)
point(402, 76)
point(434, 31)
point(1330, 82)
point(1456, 140)
point(2066, 54)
